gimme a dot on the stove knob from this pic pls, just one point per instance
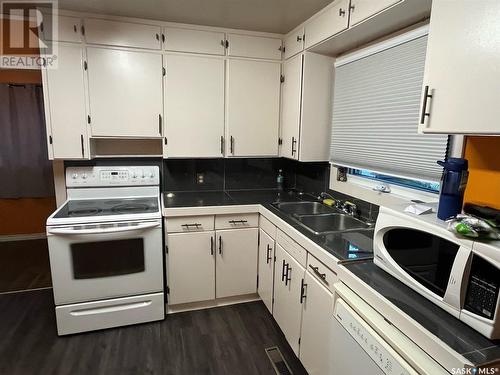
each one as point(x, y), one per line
point(134, 174)
point(74, 176)
point(151, 175)
point(84, 176)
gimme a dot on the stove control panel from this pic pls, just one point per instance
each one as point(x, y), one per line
point(112, 176)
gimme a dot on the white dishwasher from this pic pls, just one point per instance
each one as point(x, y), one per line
point(359, 349)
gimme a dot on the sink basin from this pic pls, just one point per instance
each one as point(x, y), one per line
point(303, 208)
point(333, 222)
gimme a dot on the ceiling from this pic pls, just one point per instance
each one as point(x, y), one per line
point(278, 16)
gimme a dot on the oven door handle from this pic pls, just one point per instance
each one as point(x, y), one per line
point(70, 231)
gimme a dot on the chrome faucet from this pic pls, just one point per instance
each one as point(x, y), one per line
point(350, 208)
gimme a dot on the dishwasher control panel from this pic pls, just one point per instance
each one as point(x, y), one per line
point(379, 351)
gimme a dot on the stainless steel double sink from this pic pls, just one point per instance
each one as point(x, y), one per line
point(319, 218)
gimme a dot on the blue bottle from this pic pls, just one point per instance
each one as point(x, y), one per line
point(453, 182)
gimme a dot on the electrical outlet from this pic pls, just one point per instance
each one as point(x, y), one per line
point(200, 178)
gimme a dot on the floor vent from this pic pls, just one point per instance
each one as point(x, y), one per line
point(279, 364)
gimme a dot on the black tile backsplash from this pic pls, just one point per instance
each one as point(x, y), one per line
point(243, 174)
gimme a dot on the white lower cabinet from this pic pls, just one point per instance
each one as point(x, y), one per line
point(266, 269)
point(287, 309)
point(203, 265)
point(191, 267)
point(236, 264)
point(316, 338)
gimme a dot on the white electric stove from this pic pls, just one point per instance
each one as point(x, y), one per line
point(105, 248)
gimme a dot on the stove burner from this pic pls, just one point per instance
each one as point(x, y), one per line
point(84, 212)
point(130, 208)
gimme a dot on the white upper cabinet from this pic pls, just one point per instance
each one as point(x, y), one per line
point(306, 107)
point(64, 96)
point(252, 108)
point(197, 41)
point(122, 34)
point(462, 69)
point(194, 106)
point(363, 9)
point(330, 21)
point(294, 42)
point(290, 111)
point(125, 93)
point(236, 263)
point(254, 46)
point(69, 29)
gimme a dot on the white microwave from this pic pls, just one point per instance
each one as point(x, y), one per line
point(459, 275)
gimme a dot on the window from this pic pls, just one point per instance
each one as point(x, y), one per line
point(377, 97)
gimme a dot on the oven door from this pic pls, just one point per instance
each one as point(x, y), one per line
point(98, 261)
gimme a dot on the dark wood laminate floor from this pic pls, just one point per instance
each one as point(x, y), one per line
point(225, 340)
point(24, 265)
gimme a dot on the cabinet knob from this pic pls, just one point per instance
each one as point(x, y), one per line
point(341, 12)
point(299, 38)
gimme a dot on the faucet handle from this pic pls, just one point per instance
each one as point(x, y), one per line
point(350, 208)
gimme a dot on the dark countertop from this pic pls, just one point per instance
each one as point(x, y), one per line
point(352, 245)
point(456, 334)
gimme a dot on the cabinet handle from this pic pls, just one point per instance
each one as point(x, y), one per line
point(322, 276)
point(191, 225)
point(299, 38)
point(83, 149)
point(351, 7)
point(268, 256)
point(288, 273)
point(231, 145)
point(238, 221)
point(222, 145)
point(220, 245)
point(211, 245)
point(341, 12)
point(163, 38)
point(157, 37)
point(424, 105)
point(303, 287)
point(283, 271)
point(159, 123)
point(294, 141)
point(75, 29)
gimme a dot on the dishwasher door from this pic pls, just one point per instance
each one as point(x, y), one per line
point(359, 349)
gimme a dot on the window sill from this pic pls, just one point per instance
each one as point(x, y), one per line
point(362, 188)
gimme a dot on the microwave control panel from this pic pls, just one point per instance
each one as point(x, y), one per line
point(482, 288)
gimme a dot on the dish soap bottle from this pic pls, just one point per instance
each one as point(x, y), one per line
point(279, 180)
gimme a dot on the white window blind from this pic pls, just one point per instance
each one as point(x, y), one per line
point(375, 114)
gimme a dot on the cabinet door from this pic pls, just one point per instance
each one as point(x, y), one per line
point(194, 104)
point(463, 37)
point(236, 265)
point(362, 9)
point(266, 269)
point(327, 23)
point(122, 34)
point(254, 46)
point(294, 42)
point(198, 41)
point(191, 267)
point(65, 112)
point(290, 110)
point(252, 108)
point(316, 343)
point(287, 309)
point(125, 93)
point(68, 29)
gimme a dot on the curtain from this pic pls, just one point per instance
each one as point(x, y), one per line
point(375, 115)
point(25, 171)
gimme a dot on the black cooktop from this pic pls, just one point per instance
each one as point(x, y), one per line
point(109, 206)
